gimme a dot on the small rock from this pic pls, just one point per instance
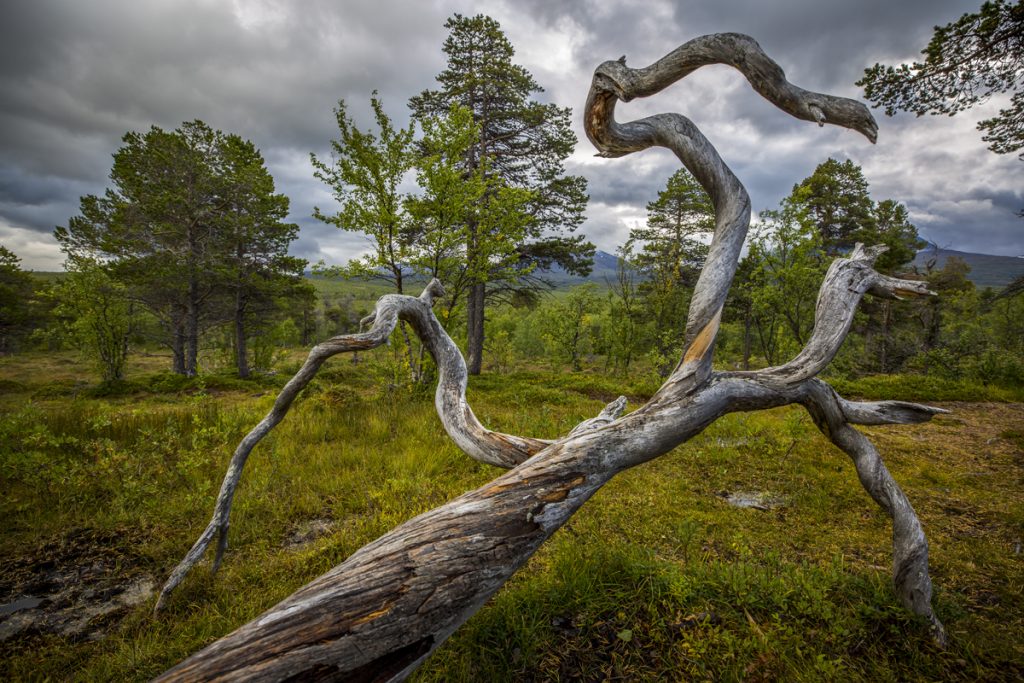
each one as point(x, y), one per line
point(758, 500)
point(25, 602)
point(307, 532)
point(563, 624)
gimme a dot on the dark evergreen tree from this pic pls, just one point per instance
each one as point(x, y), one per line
point(966, 62)
point(894, 229)
point(16, 293)
point(836, 197)
point(170, 226)
point(262, 280)
point(670, 256)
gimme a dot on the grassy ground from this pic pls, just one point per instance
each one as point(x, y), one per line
point(657, 578)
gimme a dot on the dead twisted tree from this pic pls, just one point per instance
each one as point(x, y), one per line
point(379, 614)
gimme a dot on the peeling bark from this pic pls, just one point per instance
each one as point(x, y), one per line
point(379, 614)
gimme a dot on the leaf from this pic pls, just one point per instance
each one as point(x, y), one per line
point(625, 635)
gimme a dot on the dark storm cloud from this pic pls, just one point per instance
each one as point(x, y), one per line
point(75, 77)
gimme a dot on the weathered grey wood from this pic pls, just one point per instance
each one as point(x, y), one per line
point(495, 448)
point(379, 614)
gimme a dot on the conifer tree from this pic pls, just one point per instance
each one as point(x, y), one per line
point(522, 142)
point(670, 256)
point(179, 226)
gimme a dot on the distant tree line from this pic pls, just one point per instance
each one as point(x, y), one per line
point(634, 324)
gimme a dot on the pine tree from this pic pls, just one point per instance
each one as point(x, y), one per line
point(16, 293)
point(258, 274)
point(454, 198)
point(836, 197)
point(966, 62)
point(522, 142)
point(181, 207)
point(670, 256)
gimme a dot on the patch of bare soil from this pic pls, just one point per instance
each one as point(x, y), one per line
point(72, 586)
point(308, 531)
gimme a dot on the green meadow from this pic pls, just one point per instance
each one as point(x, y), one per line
point(658, 577)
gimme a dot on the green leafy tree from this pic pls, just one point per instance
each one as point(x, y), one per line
point(788, 263)
point(891, 337)
point(567, 323)
point(894, 229)
point(966, 62)
point(521, 141)
point(95, 312)
point(365, 172)
point(452, 199)
point(365, 175)
point(16, 293)
point(626, 312)
point(824, 216)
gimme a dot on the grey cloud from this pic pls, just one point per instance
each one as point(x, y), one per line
point(74, 77)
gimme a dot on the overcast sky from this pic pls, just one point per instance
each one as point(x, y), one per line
point(75, 76)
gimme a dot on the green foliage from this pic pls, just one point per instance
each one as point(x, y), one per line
point(520, 146)
point(566, 323)
point(657, 578)
point(364, 175)
point(836, 199)
point(625, 317)
point(669, 259)
point(778, 282)
point(16, 290)
point(94, 312)
point(788, 265)
point(966, 62)
point(192, 228)
point(526, 141)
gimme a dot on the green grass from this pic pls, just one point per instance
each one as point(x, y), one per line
point(656, 578)
point(924, 388)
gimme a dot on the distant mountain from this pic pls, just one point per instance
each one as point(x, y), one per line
point(987, 270)
point(604, 270)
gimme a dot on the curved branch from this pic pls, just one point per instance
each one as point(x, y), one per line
point(615, 81)
point(846, 282)
point(910, 547)
point(394, 601)
point(461, 424)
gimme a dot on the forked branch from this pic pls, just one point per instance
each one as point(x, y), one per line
point(379, 614)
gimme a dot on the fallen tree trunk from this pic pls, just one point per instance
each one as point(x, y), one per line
point(379, 614)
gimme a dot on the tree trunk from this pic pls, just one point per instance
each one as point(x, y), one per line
point(379, 614)
point(475, 327)
point(178, 346)
point(192, 327)
point(884, 350)
point(746, 338)
point(241, 349)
